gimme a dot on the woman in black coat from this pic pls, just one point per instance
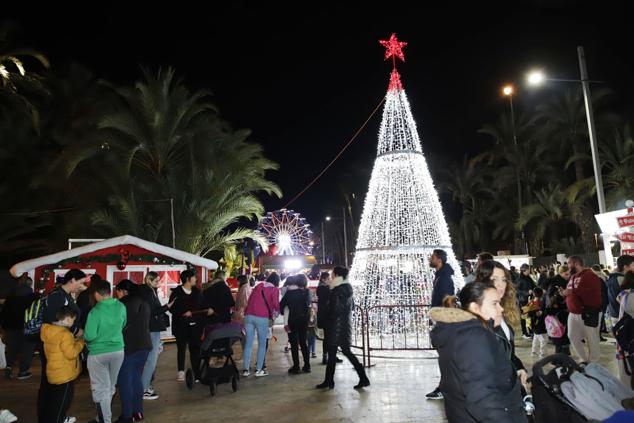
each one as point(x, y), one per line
point(478, 381)
point(187, 320)
point(298, 302)
point(323, 292)
point(12, 320)
point(218, 297)
point(339, 329)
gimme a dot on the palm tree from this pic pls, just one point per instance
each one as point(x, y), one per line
point(562, 122)
point(544, 215)
point(466, 184)
point(171, 144)
point(16, 84)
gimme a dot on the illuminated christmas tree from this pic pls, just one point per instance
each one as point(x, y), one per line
point(402, 223)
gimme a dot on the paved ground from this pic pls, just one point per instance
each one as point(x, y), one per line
point(396, 394)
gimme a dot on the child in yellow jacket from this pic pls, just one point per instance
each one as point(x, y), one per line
point(63, 365)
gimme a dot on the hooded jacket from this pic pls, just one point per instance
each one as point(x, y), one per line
point(340, 303)
point(443, 285)
point(104, 327)
point(478, 381)
point(62, 353)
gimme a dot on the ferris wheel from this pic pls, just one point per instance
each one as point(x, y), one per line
point(288, 231)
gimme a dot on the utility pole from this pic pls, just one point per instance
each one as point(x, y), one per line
point(345, 236)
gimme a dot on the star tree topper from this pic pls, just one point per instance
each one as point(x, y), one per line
point(394, 49)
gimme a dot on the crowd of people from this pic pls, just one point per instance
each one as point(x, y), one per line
point(482, 379)
point(112, 333)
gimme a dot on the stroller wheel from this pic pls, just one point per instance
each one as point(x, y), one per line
point(234, 383)
point(212, 387)
point(189, 379)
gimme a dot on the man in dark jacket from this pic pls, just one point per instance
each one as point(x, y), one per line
point(624, 264)
point(136, 335)
point(441, 287)
point(443, 279)
point(159, 321)
point(339, 330)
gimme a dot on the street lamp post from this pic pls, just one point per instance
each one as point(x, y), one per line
point(508, 91)
point(345, 237)
point(323, 240)
point(536, 78)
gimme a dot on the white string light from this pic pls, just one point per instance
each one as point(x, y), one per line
point(401, 225)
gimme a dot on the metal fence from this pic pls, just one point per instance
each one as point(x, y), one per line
point(390, 328)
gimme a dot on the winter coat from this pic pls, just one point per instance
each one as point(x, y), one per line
point(18, 300)
point(478, 381)
point(136, 333)
point(218, 297)
point(158, 318)
point(298, 303)
point(242, 299)
point(509, 346)
point(323, 291)
point(62, 353)
point(340, 304)
point(183, 303)
point(443, 285)
point(614, 288)
point(524, 285)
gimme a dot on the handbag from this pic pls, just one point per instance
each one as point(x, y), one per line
point(268, 308)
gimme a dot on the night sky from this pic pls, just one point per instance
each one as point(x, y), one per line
point(304, 79)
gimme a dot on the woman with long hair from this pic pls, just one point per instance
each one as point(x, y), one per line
point(494, 272)
point(478, 380)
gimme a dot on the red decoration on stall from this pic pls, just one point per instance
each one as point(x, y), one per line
point(121, 265)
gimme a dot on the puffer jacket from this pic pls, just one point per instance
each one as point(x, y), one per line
point(62, 353)
point(340, 303)
point(478, 381)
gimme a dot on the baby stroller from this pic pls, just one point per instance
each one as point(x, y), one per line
point(571, 393)
point(216, 360)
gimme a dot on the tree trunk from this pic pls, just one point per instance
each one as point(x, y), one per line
point(585, 222)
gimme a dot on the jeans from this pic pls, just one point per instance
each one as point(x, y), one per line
point(260, 325)
point(577, 330)
point(312, 344)
point(57, 399)
point(18, 342)
point(332, 361)
point(129, 383)
point(152, 359)
point(104, 372)
point(297, 338)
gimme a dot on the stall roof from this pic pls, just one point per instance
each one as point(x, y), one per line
point(28, 265)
